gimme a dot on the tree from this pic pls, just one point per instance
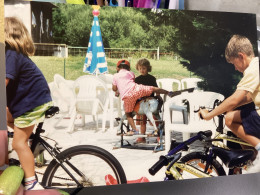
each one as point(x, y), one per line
point(201, 39)
point(72, 24)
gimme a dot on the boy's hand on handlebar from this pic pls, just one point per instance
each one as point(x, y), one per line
point(204, 113)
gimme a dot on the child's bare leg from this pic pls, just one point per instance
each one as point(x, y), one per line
point(130, 119)
point(3, 148)
point(234, 122)
point(142, 128)
point(20, 145)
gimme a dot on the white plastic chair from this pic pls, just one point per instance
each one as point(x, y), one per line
point(169, 84)
point(92, 98)
point(195, 124)
point(190, 83)
point(63, 96)
point(114, 102)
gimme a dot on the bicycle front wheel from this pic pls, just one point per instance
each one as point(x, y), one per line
point(198, 160)
point(86, 166)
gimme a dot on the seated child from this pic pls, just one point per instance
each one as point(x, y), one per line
point(243, 123)
point(124, 84)
point(27, 94)
point(144, 66)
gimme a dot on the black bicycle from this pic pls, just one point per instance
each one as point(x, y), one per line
point(76, 167)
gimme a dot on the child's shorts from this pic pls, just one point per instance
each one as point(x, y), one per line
point(251, 122)
point(33, 116)
point(134, 94)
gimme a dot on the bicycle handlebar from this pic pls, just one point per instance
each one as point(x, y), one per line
point(216, 103)
point(201, 107)
point(163, 161)
point(172, 158)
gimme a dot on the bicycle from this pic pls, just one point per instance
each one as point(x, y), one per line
point(221, 137)
point(78, 166)
point(199, 164)
point(206, 161)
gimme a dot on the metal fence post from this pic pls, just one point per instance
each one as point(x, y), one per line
point(64, 67)
point(158, 53)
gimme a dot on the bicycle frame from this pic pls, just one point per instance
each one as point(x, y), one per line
point(190, 169)
point(54, 152)
point(171, 170)
point(171, 159)
point(223, 136)
point(62, 161)
point(174, 155)
point(220, 135)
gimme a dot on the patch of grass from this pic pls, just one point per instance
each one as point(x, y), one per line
point(165, 68)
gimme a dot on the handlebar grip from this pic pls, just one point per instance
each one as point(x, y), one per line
point(201, 107)
point(207, 133)
point(163, 161)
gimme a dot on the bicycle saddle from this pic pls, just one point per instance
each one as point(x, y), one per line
point(233, 158)
point(51, 111)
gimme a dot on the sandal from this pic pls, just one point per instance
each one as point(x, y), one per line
point(132, 132)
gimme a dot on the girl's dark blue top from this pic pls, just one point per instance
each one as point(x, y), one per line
point(27, 87)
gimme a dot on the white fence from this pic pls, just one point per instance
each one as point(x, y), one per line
point(63, 50)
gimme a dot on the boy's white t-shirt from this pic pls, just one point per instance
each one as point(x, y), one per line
point(250, 82)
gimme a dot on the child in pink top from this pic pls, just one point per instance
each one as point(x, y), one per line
point(130, 92)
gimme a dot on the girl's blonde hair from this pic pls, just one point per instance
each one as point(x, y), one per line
point(17, 37)
point(144, 62)
point(237, 44)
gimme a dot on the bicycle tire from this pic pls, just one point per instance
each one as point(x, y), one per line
point(95, 164)
point(198, 160)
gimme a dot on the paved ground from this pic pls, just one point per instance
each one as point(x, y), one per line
point(135, 162)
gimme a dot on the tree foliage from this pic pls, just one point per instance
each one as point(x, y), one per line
point(199, 38)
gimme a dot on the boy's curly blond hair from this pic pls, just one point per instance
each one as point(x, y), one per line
point(144, 62)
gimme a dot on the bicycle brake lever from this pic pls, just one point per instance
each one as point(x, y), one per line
point(201, 107)
point(176, 157)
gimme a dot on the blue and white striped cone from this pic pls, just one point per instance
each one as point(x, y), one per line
point(95, 61)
